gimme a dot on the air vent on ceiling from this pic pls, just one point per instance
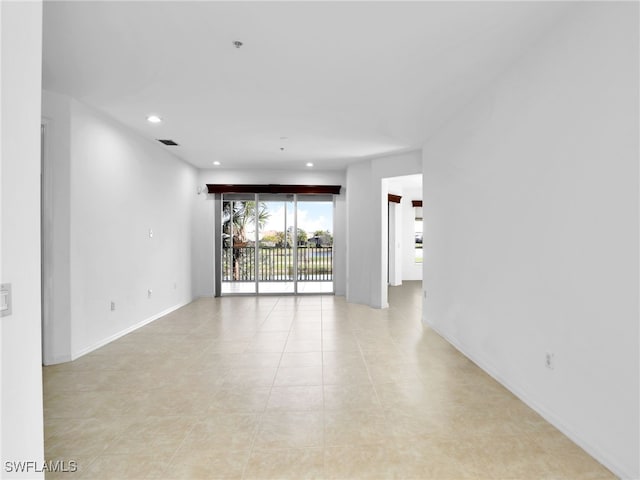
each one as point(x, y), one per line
point(168, 142)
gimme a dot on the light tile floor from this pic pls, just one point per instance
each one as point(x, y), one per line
point(295, 387)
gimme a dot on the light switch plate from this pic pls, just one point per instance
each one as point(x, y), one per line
point(5, 299)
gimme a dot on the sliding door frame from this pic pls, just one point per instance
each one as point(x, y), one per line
point(218, 244)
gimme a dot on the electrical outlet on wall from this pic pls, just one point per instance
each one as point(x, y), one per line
point(149, 293)
point(113, 306)
point(549, 361)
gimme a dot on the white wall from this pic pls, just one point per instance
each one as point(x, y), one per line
point(359, 233)
point(56, 211)
point(411, 190)
point(367, 197)
point(203, 226)
point(531, 230)
point(21, 438)
point(120, 186)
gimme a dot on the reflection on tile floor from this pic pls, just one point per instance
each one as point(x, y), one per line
point(295, 387)
point(271, 287)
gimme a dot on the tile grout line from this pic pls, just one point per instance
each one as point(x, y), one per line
point(264, 410)
point(375, 390)
point(184, 439)
point(261, 414)
point(170, 462)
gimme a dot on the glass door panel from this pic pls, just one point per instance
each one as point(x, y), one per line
point(276, 242)
point(238, 243)
point(315, 244)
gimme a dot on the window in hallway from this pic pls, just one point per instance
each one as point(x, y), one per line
point(418, 226)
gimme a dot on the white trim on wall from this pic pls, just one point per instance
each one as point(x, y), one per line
point(526, 397)
point(126, 331)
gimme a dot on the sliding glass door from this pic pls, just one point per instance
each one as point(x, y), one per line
point(315, 244)
point(276, 244)
point(238, 244)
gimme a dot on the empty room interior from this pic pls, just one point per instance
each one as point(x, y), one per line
point(329, 240)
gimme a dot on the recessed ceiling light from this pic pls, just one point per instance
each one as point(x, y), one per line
point(309, 164)
point(216, 163)
point(154, 119)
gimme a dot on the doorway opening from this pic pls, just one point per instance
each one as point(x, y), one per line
point(404, 229)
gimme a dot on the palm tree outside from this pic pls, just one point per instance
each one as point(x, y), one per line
point(237, 217)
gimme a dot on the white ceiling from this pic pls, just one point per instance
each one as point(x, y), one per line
point(341, 80)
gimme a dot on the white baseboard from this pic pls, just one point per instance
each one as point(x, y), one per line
point(56, 360)
point(600, 456)
point(127, 330)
